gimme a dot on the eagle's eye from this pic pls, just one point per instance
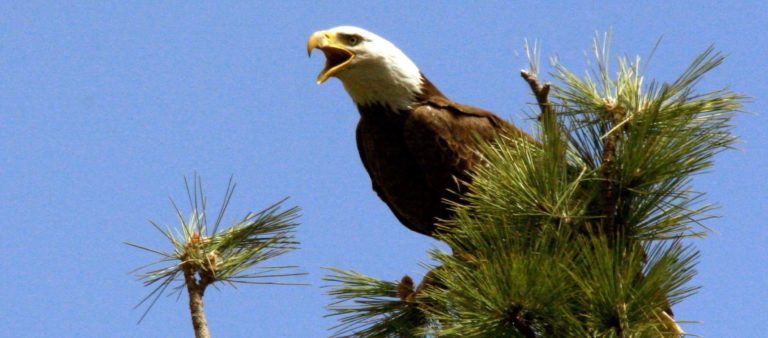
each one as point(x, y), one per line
point(353, 40)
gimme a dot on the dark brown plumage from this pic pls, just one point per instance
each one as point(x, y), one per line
point(417, 158)
point(415, 143)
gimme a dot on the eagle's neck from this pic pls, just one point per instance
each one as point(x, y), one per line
point(395, 100)
point(392, 81)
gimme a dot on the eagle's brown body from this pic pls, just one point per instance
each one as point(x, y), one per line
point(419, 157)
point(416, 144)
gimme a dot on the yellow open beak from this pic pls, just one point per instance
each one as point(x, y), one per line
point(337, 56)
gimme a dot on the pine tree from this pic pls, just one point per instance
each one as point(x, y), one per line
point(583, 234)
point(206, 254)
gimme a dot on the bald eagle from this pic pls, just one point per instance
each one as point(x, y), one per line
point(416, 144)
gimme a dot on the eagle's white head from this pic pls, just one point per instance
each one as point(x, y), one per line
point(372, 69)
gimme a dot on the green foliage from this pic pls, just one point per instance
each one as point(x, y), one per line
point(213, 255)
point(580, 234)
point(664, 134)
point(370, 307)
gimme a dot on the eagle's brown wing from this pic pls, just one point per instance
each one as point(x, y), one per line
point(416, 159)
point(395, 175)
point(367, 141)
point(442, 136)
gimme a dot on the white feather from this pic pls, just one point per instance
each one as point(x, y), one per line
point(380, 73)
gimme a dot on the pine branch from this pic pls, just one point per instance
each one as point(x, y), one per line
point(369, 307)
point(196, 290)
point(616, 157)
point(541, 92)
point(608, 199)
point(201, 258)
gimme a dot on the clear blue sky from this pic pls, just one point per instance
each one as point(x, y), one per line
point(105, 106)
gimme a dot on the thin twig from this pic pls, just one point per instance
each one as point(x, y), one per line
point(608, 171)
point(541, 92)
point(196, 291)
